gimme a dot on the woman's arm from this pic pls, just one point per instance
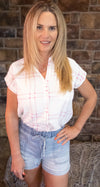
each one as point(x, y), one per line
point(12, 128)
point(12, 122)
point(88, 92)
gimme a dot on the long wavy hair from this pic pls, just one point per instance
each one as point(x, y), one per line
point(58, 53)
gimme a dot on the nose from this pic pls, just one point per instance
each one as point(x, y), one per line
point(45, 33)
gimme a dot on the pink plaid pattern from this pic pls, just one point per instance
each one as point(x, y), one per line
point(41, 105)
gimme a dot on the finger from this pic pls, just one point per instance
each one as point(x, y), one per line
point(61, 139)
point(59, 135)
point(61, 132)
point(20, 176)
point(15, 173)
point(65, 141)
point(23, 174)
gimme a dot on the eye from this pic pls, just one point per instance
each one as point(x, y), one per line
point(52, 28)
point(39, 27)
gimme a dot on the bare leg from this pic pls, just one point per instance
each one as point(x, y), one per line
point(55, 181)
point(33, 177)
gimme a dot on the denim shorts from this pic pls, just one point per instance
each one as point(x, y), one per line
point(40, 148)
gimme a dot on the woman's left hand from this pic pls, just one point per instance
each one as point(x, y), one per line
point(66, 134)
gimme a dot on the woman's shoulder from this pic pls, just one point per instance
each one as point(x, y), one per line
point(72, 61)
point(18, 63)
point(78, 74)
point(17, 66)
point(74, 65)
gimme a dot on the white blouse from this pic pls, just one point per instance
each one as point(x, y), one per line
point(41, 105)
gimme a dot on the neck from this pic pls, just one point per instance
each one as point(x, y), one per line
point(42, 66)
point(45, 56)
point(44, 59)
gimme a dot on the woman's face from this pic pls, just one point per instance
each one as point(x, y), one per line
point(46, 33)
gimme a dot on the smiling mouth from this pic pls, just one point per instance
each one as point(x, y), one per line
point(45, 42)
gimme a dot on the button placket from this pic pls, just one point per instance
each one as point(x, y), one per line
point(46, 102)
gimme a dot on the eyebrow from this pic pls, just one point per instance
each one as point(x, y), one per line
point(48, 26)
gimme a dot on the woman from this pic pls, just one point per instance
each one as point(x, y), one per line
point(40, 92)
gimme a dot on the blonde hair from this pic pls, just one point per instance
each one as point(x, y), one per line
point(59, 56)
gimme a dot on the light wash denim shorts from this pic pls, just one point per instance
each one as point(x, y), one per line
point(40, 148)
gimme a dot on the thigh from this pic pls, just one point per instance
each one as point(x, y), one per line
point(33, 177)
point(55, 181)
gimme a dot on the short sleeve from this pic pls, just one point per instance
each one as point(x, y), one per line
point(78, 74)
point(10, 79)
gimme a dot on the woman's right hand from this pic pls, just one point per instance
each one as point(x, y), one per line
point(17, 166)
